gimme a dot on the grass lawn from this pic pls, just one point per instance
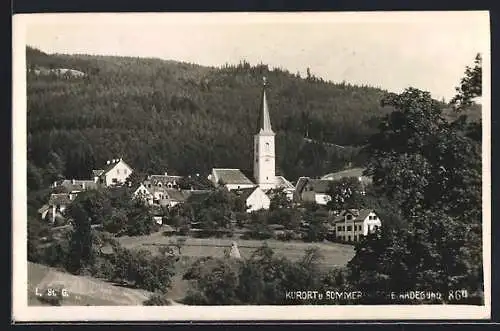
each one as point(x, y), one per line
point(82, 290)
point(334, 255)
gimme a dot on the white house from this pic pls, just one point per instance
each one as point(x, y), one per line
point(352, 224)
point(58, 202)
point(313, 190)
point(115, 173)
point(142, 192)
point(255, 198)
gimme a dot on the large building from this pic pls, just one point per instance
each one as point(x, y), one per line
point(264, 169)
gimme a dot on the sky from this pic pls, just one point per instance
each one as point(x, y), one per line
point(426, 50)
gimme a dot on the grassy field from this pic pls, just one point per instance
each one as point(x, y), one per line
point(334, 255)
point(82, 290)
point(85, 290)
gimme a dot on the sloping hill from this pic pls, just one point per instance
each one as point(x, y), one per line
point(82, 290)
point(185, 118)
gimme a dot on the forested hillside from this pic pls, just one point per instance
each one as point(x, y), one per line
point(184, 118)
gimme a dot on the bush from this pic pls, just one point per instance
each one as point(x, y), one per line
point(263, 235)
point(157, 299)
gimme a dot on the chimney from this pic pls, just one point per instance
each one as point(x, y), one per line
point(166, 174)
point(73, 182)
point(96, 179)
point(55, 184)
point(83, 185)
point(108, 162)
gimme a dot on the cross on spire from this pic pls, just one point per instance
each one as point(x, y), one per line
point(264, 118)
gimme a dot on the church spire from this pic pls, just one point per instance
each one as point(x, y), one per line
point(264, 118)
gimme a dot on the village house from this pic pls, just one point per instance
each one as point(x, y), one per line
point(313, 190)
point(142, 192)
point(75, 186)
point(352, 224)
point(115, 173)
point(255, 198)
point(158, 185)
point(57, 204)
point(317, 190)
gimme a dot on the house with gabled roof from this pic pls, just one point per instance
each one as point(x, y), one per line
point(55, 207)
point(232, 179)
point(313, 190)
point(352, 224)
point(317, 190)
point(115, 173)
point(140, 191)
point(255, 198)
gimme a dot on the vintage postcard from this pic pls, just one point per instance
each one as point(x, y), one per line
point(251, 166)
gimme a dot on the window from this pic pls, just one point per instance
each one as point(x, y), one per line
point(114, 180)
point(267, 147)
point(349, 228)
point(339, 228)
point(349, 238)
point(349, 217)
point(117, 171)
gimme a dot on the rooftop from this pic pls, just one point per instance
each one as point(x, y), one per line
point(231, 176)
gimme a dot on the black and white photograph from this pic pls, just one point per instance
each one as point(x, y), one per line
point(251, 166)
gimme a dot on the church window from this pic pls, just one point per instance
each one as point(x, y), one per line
point(267, 147)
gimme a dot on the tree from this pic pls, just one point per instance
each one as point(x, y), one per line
point(345, 193)
point(279, 199)
point(179, 243)
point(81, 252)
point(436, 253)
point(432, 172)
point(470, 86)
point(419, 161)
point(140, 219)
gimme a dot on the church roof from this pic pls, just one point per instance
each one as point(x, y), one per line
point(231, 176)
point(264, 125)
point(282, 182)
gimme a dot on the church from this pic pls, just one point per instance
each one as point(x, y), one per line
point(264, 164)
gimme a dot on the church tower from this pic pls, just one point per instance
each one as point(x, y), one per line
point(264, 156)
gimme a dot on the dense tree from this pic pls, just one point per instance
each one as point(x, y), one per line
point(345, 193)
point(139, 219)
point(470, 85)
point(279, 199)
point(81, 252)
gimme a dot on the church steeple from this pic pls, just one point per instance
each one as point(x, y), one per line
point(264, 154)
point(264, 125)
